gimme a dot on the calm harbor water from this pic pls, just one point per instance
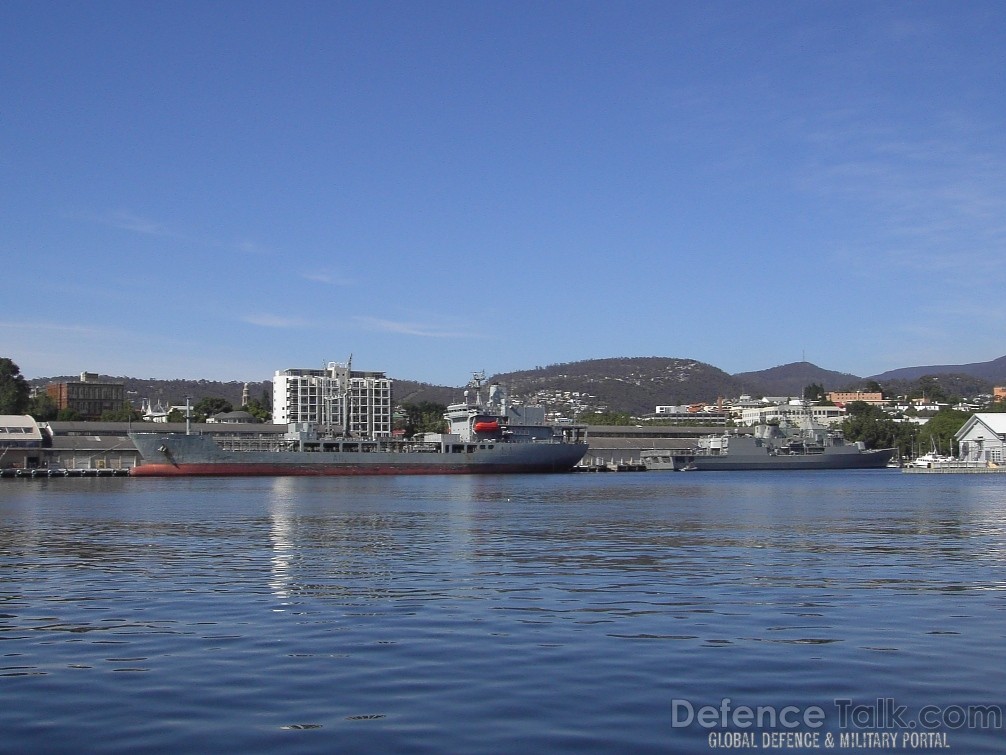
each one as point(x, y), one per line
point(571, 613)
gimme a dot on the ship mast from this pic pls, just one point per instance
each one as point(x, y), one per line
point(478, 380)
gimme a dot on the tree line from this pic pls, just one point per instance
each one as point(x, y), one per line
point(877, 429)
point(16, 398)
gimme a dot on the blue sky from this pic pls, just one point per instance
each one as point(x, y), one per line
point(220, 190)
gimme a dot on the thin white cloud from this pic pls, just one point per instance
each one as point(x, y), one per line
point(929, 204)
point(266, 320)
point(328, 278)
point(78, 336)
point(124, 220)
point(46, 348)
point(49, 329)
point(246, 247)
point(424, 330)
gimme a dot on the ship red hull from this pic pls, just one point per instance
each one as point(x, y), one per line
point(286, 470)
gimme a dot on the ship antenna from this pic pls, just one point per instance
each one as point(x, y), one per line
point(477, 381)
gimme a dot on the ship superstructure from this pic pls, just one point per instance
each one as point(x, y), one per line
point(768, 446)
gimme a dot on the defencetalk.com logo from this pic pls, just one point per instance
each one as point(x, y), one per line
point(880, 724)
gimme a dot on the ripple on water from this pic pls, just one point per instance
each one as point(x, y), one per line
point(559, 613)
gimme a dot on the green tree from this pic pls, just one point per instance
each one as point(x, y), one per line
point(424, 417)
point(864, 409)
point(207, 407)
point(929, 386)
point(43, 408)
point(13, 388)
point(813, 392)
point(871, 425)
point(126, 414)
point(940, 430)
point(258, 410)
point(69, 415)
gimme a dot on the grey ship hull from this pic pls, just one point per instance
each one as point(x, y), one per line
point(175, 454)
point(741, 462)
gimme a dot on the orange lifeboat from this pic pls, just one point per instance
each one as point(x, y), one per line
point(487, 426)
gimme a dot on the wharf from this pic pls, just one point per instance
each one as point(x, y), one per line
point(616, 448)
point(952, 468)
point(610, 467)
point(23, 473)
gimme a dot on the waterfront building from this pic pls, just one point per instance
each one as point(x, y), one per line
point(20, 441)
point(89, 397)
point(983, 438)
point(232, 418)
point(614, 444)
point(337, 396)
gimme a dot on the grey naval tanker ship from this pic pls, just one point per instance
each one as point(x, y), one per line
point(770, 446)
point(494, 437)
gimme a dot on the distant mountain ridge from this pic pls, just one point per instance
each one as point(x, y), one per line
point(622, 384)
point(994, 371)
point(791, 379)
point(639, 384)
point(626, 384)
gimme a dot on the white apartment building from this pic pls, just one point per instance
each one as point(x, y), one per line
point(338, 397)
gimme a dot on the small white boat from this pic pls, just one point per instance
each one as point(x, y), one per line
point(931, 459)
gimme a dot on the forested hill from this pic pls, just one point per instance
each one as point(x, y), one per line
point(993, 371)
point(630, 384)
point(791, 379)
point(411, 392)
point(633, 384)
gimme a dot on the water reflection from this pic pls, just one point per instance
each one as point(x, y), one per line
point(236, 601)
point(281, 534)
point(369, 537)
